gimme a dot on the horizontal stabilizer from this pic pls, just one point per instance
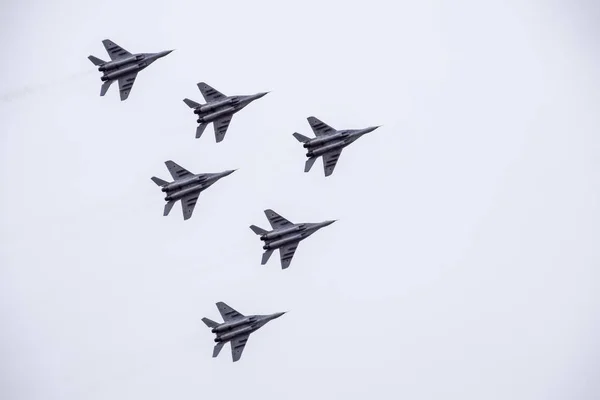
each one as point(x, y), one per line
point(159, 181)
point(209, 322)
point(217, 349)
point(96, 60)
point(301, 138)
point(191, 103)
point(257, 230)
point(309, 164)
point(105, 87)
point(266, 256)
point(168, 207)
point(200, 129)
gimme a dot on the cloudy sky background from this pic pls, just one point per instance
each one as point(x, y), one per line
point(464, 264)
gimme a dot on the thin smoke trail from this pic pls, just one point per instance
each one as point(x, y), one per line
point(27, 90)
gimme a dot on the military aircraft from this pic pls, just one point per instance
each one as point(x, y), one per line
point(186, 187)
point(219, 109)
point(328, 143)
point(285, 236)
point(123, 66)
point(236, 328)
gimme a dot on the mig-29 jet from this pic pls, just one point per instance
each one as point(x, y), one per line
point(285, 236)
point(186, 187)
point(219, 109)
point(236, 328)
point(328, 143)
point(123, 66)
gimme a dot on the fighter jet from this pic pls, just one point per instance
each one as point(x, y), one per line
point(328, 143)
point(285, 236)
point(218, 109)
point(236, 328)
point(185, 187)
point(123, 66)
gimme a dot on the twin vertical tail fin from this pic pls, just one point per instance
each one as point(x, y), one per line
point(311, 160)
point(159, 181)
point(266, 256)
point(105, 87)
point(209, 322)
point(96, 60)
point(191, 103)
point(309, 163)
point(200, 129)
point(301, 138)
point(257, 230)
point(168, 207)
point(261, 231)
point(170, 203)
point(217, 349)
point(212, 324)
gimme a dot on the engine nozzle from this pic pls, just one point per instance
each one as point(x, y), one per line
point(103, 78)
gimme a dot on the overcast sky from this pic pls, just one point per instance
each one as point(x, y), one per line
point(464, 264)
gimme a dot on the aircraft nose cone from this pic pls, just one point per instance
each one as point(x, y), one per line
point(372, 128)
point(226, 173)
point(165, 53)
point(327, 223)
point(279, 314)
point(259, 95)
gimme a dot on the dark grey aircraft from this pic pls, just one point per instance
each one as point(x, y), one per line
point(328, 143)
point(185, 187)
point(236, 328)
point(285, 236)
point(123, 66)
point(219, 109)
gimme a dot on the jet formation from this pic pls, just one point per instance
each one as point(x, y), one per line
point(236, 328)
point(186, 187)
point(218, 110)
point(123, 66)
point(285, 236)
point(328, 143)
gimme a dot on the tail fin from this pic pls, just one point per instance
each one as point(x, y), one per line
point(168, 207)
point(159, 181)
point(96, 60)
point(105, 87)
point(210, 323)
point(257, 230)
point(200, 129)
point(309, 164)
point(301, 138)
point(191, 103)
point(217, 349)
point(266, 256)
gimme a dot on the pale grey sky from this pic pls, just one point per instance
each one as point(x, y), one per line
point(464, 264)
